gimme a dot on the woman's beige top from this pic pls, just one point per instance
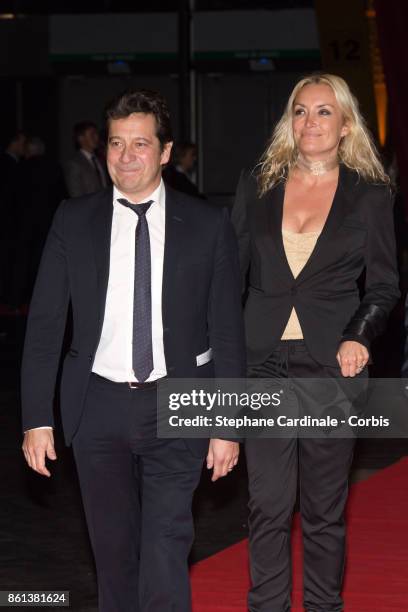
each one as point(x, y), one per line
point(298, 248)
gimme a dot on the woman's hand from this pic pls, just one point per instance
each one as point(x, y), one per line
point(352, 357)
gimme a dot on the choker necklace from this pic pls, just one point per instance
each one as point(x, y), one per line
point(317, 168)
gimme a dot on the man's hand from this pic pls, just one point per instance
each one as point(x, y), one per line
point(222, 456)
point(352, 357)
point(37, 444)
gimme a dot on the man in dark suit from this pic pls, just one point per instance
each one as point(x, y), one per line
point(178, 174)
point(153, 278)
point(84, 173)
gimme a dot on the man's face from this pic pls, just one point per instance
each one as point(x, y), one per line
point(89, 140)
point(134, 155)
point(189, 159)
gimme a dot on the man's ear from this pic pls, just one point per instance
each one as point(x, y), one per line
point(165, 156)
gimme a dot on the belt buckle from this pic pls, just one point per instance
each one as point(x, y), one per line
point(133, 385)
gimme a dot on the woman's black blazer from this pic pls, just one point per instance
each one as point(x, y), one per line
point(358, 236)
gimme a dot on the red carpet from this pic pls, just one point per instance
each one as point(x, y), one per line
point(377, 563)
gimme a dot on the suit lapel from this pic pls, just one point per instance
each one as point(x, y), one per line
point(273, 238)
point(101, 227)
point(174, 227)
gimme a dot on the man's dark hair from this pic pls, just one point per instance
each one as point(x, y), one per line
point(80, 128)
point(142, 101)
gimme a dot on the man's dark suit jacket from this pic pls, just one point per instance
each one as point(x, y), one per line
point(358, 235)
point(81, 176)
point(201, 302)
point(180, 181)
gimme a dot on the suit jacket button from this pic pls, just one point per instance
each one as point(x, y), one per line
point(293, 291)
point(171, 369)
point(90, 357)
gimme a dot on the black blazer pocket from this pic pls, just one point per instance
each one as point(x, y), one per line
point(354, 224)
point(352, 236)
point(354, 228)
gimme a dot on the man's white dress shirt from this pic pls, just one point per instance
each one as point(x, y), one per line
point(113, 359)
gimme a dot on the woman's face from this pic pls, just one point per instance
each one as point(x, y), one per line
point(318, 123)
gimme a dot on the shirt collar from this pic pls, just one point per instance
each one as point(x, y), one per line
point(157, 196)
point(88, 155)
point(181, 170)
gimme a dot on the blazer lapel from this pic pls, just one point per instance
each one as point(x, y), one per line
point(174, 227)
point(273, 236)
point(101, 227)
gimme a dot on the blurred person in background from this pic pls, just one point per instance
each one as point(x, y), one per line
point(39, 191)
point(85, 173)
point(310, 219)
point(178, 174)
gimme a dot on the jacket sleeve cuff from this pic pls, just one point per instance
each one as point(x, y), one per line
point(368, 322)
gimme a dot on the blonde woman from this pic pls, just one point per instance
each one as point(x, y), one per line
point(310, 219)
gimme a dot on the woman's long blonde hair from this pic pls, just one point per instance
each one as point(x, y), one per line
point(356, 150)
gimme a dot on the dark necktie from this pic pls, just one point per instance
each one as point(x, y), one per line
point(98, 170)
point(142, 350)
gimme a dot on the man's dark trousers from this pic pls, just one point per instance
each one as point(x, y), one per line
point(137, 491)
